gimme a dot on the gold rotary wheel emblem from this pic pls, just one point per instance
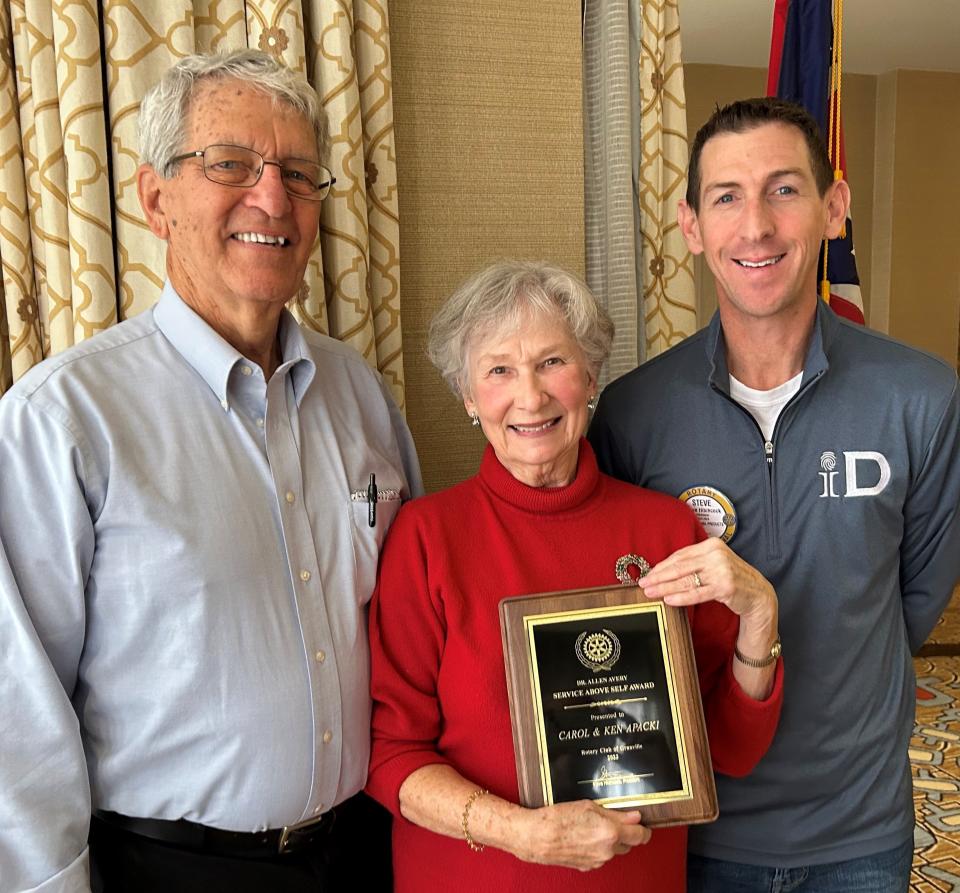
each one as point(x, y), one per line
point(598, 650)
point(598, 647)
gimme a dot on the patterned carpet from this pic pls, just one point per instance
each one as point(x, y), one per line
point(935, 755)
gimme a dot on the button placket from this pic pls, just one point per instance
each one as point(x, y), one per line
point(284, 460)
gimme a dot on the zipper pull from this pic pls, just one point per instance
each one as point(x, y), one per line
point(768, 451)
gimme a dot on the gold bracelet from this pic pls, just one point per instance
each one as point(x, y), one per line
point(476, 795)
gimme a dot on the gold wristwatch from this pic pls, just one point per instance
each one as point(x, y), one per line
point(775, 650)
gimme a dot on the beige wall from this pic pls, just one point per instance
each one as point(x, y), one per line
point(925, 233)
point(487, 106)
point(902, 133)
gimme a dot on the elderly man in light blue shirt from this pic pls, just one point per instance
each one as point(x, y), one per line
point(191, 511)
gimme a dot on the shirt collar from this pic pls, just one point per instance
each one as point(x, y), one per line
point(815, 363)
point(295, 354)
point(213, 358)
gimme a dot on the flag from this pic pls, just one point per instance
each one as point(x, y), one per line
point(801, 54)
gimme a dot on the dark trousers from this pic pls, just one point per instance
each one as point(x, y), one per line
point(884, 872)
point(354, 855)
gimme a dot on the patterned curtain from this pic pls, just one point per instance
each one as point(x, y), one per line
point(669, 299)
point(75, 252)
point(634, 96)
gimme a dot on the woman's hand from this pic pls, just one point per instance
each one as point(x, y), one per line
point(712, 571)
point(579, 835)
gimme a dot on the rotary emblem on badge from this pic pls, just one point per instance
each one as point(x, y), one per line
point(598, 651)
point(713, 509)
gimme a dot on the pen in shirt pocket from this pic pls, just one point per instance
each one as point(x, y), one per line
point(371, 495)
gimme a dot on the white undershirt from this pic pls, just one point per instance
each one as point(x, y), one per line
point(765, 406)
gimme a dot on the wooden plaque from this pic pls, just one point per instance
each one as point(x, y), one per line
point(605, 704)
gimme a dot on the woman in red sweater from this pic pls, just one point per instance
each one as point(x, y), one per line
point(522, 344)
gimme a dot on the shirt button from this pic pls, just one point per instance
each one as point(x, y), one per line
point(246, 370)
point(224, 404)
point(321, 656)
point(304, 575)
point(318, 809)
point(290, 497)
point(327, 736)
point(259, 421)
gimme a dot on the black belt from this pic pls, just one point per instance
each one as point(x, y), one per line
point(218, 842)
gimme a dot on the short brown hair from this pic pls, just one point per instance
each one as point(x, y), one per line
point(747, 114)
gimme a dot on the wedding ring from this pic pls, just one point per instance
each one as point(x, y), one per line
point(696, 580)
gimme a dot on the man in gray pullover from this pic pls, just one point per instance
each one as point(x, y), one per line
point(828, 457)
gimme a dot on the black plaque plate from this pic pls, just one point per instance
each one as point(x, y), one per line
point(605, 704)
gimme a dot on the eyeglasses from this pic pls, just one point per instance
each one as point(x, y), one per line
point(239, 166)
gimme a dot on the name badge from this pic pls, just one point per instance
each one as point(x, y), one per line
point(713, 509)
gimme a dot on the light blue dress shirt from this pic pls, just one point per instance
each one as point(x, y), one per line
point(183, 581)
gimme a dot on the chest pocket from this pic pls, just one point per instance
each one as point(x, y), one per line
point(367, 539)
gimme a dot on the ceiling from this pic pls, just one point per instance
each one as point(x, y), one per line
point(878, 35)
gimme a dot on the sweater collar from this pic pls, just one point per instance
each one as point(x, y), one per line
point(541, 500)
point(815, 363)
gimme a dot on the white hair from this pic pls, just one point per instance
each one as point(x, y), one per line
point(498, 298)
point(165, 109)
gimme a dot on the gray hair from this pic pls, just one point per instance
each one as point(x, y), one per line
point(497, 298)
point(165, 109)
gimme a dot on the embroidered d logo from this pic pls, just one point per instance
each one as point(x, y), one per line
point(852, 458)
point(854, 463)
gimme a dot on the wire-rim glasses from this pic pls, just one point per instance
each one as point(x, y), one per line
point(239, 166)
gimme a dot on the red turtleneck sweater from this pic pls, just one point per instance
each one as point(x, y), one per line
point(438, 680)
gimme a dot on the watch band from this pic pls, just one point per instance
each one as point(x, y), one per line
point(775, 650)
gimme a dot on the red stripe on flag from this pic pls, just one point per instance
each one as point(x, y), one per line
point(846, 309)
point(776, 45)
